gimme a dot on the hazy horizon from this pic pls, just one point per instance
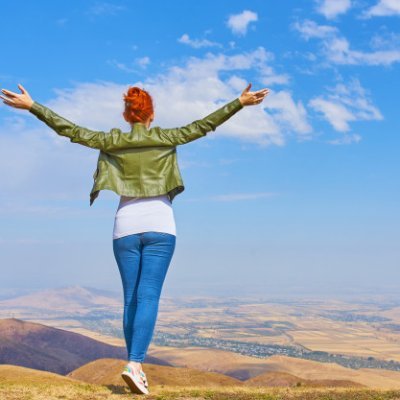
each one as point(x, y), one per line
point(262, 293)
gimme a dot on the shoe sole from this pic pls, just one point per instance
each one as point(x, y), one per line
point(133, 385)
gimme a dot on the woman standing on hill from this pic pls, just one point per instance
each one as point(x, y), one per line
point(140, 166)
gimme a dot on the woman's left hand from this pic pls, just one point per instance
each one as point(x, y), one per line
point(16, 100)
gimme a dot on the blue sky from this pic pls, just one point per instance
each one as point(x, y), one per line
point(299, 194)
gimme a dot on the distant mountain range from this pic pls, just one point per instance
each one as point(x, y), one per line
point(79, 300)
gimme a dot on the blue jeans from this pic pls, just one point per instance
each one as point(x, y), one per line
point(143, 260)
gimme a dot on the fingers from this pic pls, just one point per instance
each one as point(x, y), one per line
point(22, 89)
point(10, 94)
point(6, 101)
point(5, 98)
point(260, 97)
point(261, 92)
point(247, 88)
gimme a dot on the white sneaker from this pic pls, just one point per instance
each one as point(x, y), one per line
point(144, 379)
point(136, 381)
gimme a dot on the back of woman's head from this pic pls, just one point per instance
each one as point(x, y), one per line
point(138, 105)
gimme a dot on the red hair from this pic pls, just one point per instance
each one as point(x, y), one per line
point(138, 105)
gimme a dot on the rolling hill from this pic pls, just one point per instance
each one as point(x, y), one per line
point(107, 371)
point(27, 384)
point(245, 367)
point(50, 349)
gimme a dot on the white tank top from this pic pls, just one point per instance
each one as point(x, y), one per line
point(143, 214)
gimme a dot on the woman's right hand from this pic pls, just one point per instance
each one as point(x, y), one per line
point(16, 100)
point(248, 98)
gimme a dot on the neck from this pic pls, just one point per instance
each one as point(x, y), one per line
point(146, 124)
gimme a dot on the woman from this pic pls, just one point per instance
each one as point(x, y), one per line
point(141, 166)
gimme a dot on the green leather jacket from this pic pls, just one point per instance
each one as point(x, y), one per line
point(139, 163)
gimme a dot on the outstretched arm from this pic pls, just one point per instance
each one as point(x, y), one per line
point(77, 134)
point(199, 128)
point(194, 130)
point(105, 141)
point(115, 139)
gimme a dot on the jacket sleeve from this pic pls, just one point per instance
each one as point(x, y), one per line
point(77, 134)
point(116, 139)
point(194, 130)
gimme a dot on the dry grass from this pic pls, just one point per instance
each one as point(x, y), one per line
point(19, 383)
point(80, 391)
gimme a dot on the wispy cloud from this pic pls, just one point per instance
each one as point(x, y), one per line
point(332, 8)
point(239, 23)
point(61, 21)
point(142, 62)
point(347, 138)
point(385, 39)
point(384, 8)
point(337, 49)
point(311, 30)
point(289, 113)
point(346, 103)
point(186, 163)
point(121, 66)
point(105, 8)
point(275, 79)
point(197, 43)
point(234, 197)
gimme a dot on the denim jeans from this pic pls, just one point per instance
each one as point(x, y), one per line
point(143, 260)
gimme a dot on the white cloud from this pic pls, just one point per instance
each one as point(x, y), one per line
point(121, 66)
point(386, 39)
point(38, 157)
point(143, 61)
point(239, 23)
point(346, 139)
point(384, 8)
point(337, 49)
point(234, 197)
point(96, 105)
point(197, 43)
point(274, 79)
point(310, 29)
point(99, 105)
point(345, 103)
point(288, 113)
point(332, 8)
point(105, 8)
point(336, 113)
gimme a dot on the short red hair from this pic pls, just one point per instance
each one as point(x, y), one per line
point(138, 105)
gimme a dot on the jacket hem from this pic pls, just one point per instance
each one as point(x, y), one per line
point(171, 192)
